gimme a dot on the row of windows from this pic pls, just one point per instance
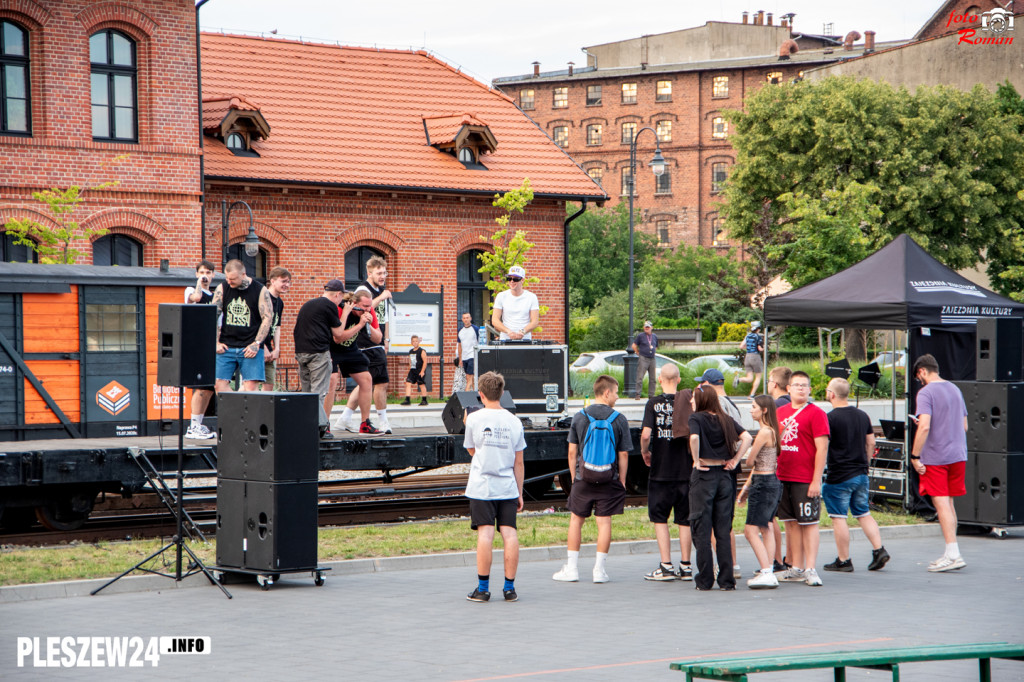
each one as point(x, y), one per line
point(114, 97)
point(663, 129)
point(719, 237)
point(663, 182)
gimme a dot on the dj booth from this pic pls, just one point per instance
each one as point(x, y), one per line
point(536, 374)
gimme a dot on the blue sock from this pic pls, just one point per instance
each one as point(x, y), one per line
point(510, 584)
point(484, 583)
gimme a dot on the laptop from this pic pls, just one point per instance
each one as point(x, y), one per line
point(893, 430)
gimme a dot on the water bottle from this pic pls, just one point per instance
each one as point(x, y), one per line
point(482, 336)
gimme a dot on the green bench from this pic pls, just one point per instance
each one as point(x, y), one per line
point(736, 669)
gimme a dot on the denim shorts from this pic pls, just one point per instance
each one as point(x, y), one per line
point(232, 359)
point(851, 494)
point(763, 499)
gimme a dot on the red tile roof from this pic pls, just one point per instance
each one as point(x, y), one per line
point(216, 107)
point(444, 129)
point(355, 116)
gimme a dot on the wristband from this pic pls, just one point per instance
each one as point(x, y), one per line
point(915, 457)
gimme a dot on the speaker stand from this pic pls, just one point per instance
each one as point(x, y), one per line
point(178, 541)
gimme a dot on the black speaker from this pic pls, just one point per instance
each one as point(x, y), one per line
point(1000, 349)
point(454, 412)
point(995, 413)
point(268, 436)
point(267, 526)
point(536, 375)
point(995, 489)
point(187, 350)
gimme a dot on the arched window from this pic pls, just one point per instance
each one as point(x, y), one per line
point(14, 81)
point(472, 295)
point(255, 266)
point(16, 253)
point(355, 265)
point(117, 249)
point(114, 67)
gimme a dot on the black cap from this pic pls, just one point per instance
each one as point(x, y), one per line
point(335, 285)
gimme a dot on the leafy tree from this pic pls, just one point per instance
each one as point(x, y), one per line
point(942, 165)
point(609, 327)
point(598, 252)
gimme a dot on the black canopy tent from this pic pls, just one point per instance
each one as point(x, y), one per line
point(900, 286)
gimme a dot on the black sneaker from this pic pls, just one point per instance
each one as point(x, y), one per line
point(878, 559)
point(368, 429)
point(662, 573)
point(479, 595)
point(685, 572)
point(325, 434)
point(780, 568)
point(840, 565)
point(424, 401)
point(510, 595)
point(406, 401)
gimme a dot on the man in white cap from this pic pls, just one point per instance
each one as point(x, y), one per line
point(644, 346)
point(516, 311)
point(753, 343)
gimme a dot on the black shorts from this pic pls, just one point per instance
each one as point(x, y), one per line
point(349, 364)
point(496, 513)
point(763, 499)
point(664, 497)
point(413, 377)
point(796, 506)
point(600, 499)
point(467, 367)
point(379, 374)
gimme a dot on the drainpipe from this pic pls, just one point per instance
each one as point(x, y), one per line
point(565, 264)
point(202, 158)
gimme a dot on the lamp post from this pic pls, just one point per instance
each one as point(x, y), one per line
point(657, 165)
point(251, 243)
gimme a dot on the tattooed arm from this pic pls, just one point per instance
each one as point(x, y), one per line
point(266, 322)
point(218, 300)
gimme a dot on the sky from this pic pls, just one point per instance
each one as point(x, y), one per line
point(490, 39)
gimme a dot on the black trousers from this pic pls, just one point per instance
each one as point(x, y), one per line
point(712, 500)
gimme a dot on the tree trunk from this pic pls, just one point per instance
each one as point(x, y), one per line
point(856, 345)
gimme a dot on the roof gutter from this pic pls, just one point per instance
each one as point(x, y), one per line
point(565, 264)
point(202, 156)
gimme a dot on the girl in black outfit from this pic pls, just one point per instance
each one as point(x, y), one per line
point(716, 444)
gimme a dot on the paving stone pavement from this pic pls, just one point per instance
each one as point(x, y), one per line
point(417, 624)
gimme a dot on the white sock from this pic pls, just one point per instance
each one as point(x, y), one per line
point(767, 571)
point(197, 420)
point(735, 567)
point(573, 559)
point(347, 414)
point(601, 558)
point(383, 414)
point(953, 550)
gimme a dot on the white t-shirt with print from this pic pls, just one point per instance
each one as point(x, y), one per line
point(515, 310)
point(497, 435)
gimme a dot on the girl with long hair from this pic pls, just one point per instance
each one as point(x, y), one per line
point(763, 490)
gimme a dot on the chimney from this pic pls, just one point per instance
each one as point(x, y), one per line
point(745, 17)
point(770, 19)
point(571, 64)
point(536, 68)
point(869, 41)
point(759, 18)
point(782, 22)
point(850, 39)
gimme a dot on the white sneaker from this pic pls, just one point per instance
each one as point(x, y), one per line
point(351, 424)
point(812, 578)
point(946, 564)
point(384, 425)
point(763, 581)
point(793, 575)
point(199, 432)
point(737, 572)
point(567, 575)
point(600, 575)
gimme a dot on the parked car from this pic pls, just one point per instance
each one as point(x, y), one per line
point(602, 361)
point(884, 360)
point(725, 364)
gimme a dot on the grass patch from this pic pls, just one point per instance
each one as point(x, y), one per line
point(19, 566)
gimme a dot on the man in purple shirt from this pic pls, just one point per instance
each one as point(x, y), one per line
point(644, 345)
point(939, 454)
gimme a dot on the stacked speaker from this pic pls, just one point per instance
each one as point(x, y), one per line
point(267, 468)
point(995, 427)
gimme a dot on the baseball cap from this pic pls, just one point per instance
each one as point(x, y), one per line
point(335, 285)
point(648, 324)
point(755, 325)
point(712, 376)
point(516, 271)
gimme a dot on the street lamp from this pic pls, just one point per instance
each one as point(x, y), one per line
point(657, 165)
point(251, 243)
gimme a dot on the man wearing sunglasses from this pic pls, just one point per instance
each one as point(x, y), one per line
point(516, 311)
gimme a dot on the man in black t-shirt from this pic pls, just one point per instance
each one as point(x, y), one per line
point(246, 317)
point(201, 395)
point(279, 281)
point(376, 285)
point(316, 325)
point(851, 438)
point(668, 484)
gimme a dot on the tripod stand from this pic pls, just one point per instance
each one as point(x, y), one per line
point(178, 541)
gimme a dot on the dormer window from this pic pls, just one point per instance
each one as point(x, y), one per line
point(236, 121)
point(464, 136)
point(236, 142)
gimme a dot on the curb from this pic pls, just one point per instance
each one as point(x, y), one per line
point(151, 583)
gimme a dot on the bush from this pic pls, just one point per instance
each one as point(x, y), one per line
point(732, 331)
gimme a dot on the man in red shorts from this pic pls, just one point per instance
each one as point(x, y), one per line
point(803, 449)
point(939, 455)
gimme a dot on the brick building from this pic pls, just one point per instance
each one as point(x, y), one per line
point(678, 84)
point(342, 153)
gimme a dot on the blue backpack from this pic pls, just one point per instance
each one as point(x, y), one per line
point(599, 459)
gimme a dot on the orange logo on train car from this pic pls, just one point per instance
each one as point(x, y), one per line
point(114, 398)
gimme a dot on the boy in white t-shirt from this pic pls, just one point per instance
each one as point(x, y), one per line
point(495, 441)
point(468, 340)
point(516, 311)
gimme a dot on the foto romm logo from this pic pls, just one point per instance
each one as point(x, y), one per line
point(114, 398)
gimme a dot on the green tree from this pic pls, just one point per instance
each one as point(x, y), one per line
point(942, 165)
point(599, 252)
